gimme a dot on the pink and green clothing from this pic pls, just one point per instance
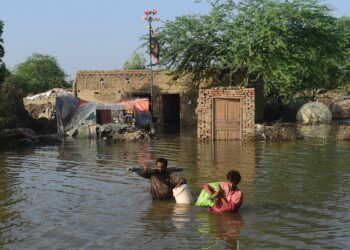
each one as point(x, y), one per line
point(233, 197)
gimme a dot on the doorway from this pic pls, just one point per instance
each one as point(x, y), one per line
point(103, 116)
point(171, 109)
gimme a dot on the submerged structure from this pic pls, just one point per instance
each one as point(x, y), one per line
point(174, 100)
point(226, 114)
point(80, 118)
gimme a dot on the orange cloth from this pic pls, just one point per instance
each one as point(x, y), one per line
point(141, 105)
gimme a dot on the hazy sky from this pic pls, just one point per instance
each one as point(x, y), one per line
point(89, 34)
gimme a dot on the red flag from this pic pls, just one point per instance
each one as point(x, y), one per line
point(154, 47)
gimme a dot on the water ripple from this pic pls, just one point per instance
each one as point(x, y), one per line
point(80, 195)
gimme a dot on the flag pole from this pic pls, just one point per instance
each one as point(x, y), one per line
point(150, 64)
point(150, 17)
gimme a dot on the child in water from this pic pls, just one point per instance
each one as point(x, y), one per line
point(229, 197)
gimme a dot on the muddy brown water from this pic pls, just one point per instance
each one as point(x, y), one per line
point(79, 195)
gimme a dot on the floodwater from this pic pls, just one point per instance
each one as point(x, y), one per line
point(79, 195)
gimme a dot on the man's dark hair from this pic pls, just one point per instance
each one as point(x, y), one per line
point(234, 176)
point(163, 161)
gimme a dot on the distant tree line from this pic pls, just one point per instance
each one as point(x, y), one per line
point(136, 62)
point(36, 74)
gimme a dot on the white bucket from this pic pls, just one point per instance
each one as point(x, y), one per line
point(182, 194)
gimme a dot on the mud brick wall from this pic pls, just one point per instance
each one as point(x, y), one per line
point(116, 85)
point(205, 110)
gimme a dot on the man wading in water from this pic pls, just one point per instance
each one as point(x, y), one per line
point(162, 181)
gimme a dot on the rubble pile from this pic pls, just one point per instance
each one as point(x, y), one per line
point(277, 132)
point(42, 105)
point(125, 134)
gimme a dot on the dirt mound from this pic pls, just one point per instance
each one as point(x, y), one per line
point(45, 110)
point(42, 105)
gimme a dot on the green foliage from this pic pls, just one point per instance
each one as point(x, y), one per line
point(11, 102)
point(2, 53)
point(296, 47)
point(41, 73)
point(137, 61)
point(343, 25)
point(196, 45)
point(7, 116)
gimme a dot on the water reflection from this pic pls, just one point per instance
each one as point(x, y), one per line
point(181, 215)
point(217, 158)
point(225, 226)
point(10, 195)
point(221, 156)
point(79, 195)
point(5, 196)
point(170, 225)
point(158, 219)
point(316, 130)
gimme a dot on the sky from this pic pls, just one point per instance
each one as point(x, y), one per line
point(90, 34)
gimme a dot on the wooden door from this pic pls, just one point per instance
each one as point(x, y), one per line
point(227, 119)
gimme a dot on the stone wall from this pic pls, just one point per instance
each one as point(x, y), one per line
point(205, 110)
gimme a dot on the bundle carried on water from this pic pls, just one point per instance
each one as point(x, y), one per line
point(205, 199)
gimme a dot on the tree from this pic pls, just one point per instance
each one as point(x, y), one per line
point(2, 53)
point(41, 73)
point(295, 46)
point(137, 61)
point(11, 94)
point(195, 45)
point(343, 25)
point(11, 103)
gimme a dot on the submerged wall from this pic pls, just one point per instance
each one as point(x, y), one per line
point(205, 127)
